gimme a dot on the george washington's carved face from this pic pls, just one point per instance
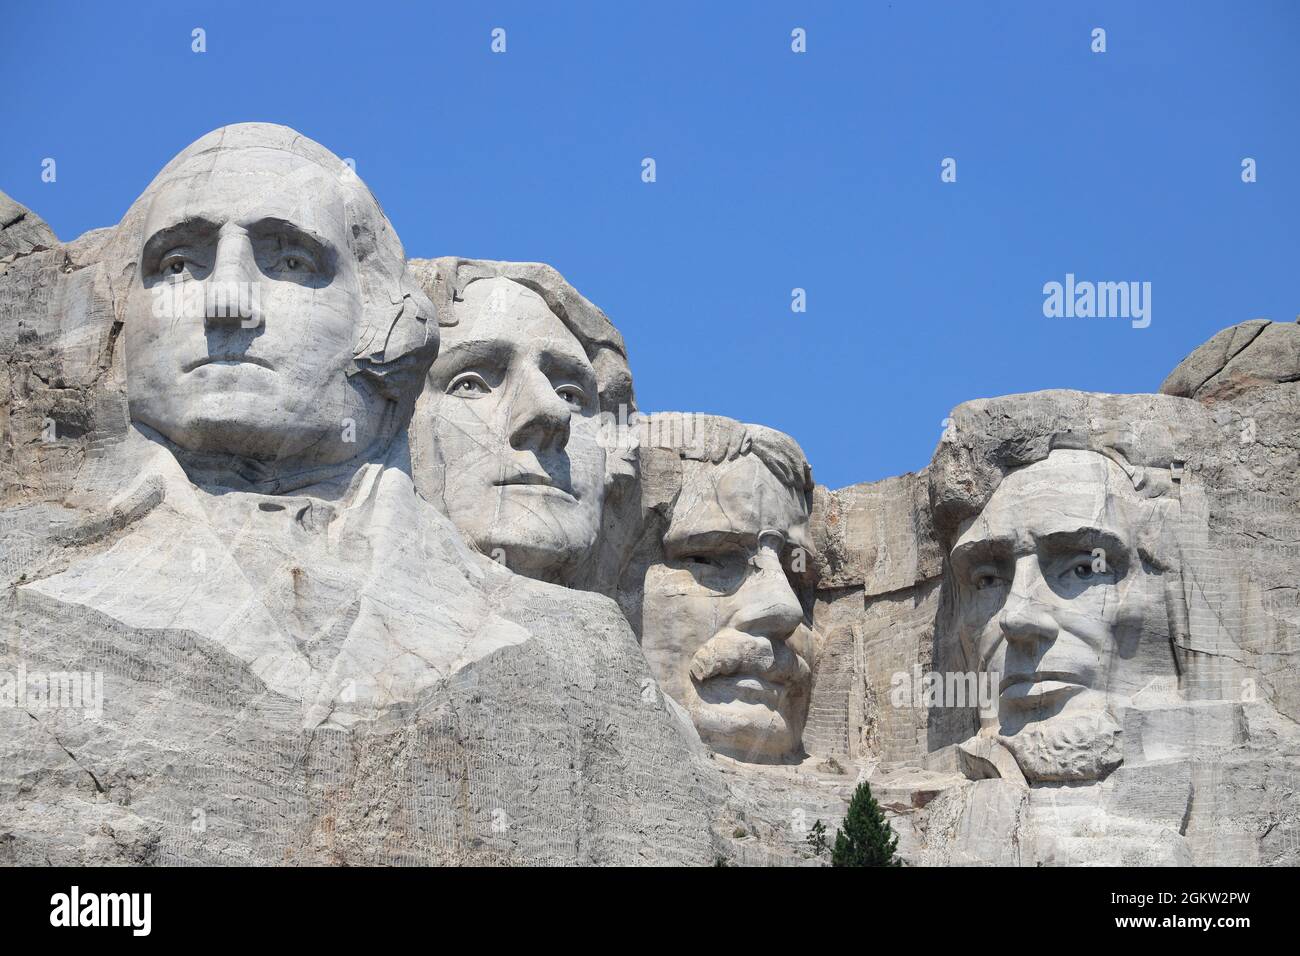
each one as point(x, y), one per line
point(240, 333)
point(1052, 600)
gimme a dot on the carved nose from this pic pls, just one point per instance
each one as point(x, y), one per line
point(232, 290)
point(541, 418)
point(766, 603)
point(1025, 619)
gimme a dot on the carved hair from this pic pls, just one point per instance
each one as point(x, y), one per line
point(397, 339)
point(668, 439)
point(446, 279)
point(714, 439)
point(989, 438)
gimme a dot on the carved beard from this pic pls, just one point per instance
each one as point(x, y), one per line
point(1068, 747)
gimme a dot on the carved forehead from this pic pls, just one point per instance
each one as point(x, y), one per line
point(500, 295)
point(499, 309)
point(1067, 491)
point(248, 184)
point(741, 496)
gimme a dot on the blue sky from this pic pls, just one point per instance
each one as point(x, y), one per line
point(775, 170)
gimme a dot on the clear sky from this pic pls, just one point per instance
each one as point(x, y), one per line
point(775, 170)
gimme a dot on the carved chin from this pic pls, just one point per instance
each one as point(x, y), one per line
point(749, 741)
point(539, 536)
point(748, 732)
point(1068, 747)
point(540, 553)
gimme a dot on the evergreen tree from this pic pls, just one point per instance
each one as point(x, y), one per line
point(866, 839)
point(816, 838)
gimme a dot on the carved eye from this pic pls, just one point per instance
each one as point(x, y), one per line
point(718, 572)
point(172, 265)
point(1083, 570)
point(985, 581)
point(572, 394)
point(468, 385)
point(297, 263)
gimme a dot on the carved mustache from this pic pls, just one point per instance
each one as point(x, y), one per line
point(731, 653)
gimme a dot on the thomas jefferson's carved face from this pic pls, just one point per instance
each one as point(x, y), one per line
point(509, 415)
point(720, 612)
point(1052, 596)
point(242, 328)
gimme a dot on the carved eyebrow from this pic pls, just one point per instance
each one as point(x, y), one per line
point(195, 228)
point(554, 361)
point(706, 539)
point(575, 356)
point(1085, 539)
point(491, 350)
point(272, 226)
point(983, 549)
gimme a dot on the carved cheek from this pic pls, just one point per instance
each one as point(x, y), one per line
point(329, 316)
point(977, 624)
point(152, 334)
point(1091, 619)
point(470, 435)
point(587, 460)
point(669, 611)
point(990, 648)
point(672, 583)
point(692, 610)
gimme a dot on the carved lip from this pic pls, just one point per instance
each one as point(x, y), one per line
point(227, 360)
point(753, 678)
point(746, 687)
point(534, 481)
point(1040, 687)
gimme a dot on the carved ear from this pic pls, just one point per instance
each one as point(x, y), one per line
point(399, 339)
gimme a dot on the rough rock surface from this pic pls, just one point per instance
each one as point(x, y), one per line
point(878, 564)
point(1258, 352)
point(21, 230)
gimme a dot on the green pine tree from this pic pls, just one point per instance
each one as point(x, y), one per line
point(866, 839)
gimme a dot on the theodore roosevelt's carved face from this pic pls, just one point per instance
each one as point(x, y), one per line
point(720, 610)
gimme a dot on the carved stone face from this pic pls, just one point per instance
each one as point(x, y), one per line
point(509, 415)
point(1052, 596)
point(241, 329)
point(720, 612)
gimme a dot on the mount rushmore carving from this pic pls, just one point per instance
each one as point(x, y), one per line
point(374, 560)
